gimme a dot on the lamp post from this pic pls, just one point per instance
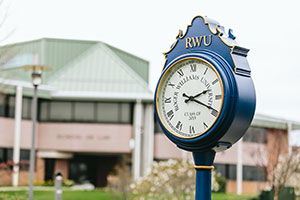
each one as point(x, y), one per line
point(36, 76)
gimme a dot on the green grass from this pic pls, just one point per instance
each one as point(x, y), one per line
point(223, 196)
point(95, 195)
point(50, 195)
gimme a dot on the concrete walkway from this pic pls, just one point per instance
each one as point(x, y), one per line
point(26, 188)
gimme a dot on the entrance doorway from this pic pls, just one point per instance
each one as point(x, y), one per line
point(91, 168)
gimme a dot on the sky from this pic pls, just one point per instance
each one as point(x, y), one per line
point(146, 29)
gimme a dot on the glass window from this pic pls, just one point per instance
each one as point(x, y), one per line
point(84, 111)
point(24, 154)
point(11, 106)
point(231, 172)
point(44, 111)
point(256, 134)
point(107, 112)
point(253, 173)
point(26, 108)
point(9, 153)
point(220, 168)
point(2, 155)
point(5, 154)
point(2, 105)
point(61, 111)
point(125, 113)
point(226, 170)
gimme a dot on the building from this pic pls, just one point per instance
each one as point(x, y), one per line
point(95, 110)
point(266, 138)
point(90, 107)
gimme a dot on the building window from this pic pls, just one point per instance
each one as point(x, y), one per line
point(125, 113)
point(6, 159)
point(7, 106)
point(253, 173)
point(44, 111)
point(11, 106)
point(26, 108)
point(84, 111)
point(96, 112)
point(60, 111)
point(5, 155)
point(2, 105)
point(226, 170)
point(107, 112)
point(256, 134)
point(250, 173)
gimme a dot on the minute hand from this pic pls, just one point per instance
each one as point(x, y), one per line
point(209, 107)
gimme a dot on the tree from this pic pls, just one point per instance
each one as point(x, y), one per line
point(286, 173)
point(281, 167)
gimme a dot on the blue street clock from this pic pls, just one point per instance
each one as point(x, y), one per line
point(205, 97)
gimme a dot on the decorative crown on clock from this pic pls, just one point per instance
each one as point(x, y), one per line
point(204, 34)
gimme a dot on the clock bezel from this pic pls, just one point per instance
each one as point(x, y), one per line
point(160, 87)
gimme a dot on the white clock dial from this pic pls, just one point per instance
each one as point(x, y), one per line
point(189, 97)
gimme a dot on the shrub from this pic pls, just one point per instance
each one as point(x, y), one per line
point(172, 179)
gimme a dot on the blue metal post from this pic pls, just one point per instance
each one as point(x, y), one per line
point(203, 165)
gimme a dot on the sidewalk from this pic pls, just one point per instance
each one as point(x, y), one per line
point(25, 188)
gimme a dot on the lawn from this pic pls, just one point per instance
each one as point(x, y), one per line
point(50, 195)
point(223, 196)
point(95, 194)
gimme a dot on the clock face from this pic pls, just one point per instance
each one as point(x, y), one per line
point(189, 97)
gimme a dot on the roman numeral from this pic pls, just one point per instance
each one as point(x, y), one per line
point(214, 113)
point(205, 70)
point(171, 84)
point(218, 97)
point(192, 129)
point(168, 100)
point(170, 114)
point(205, 126)
point(180, 72)
point(179, 125)
point(193, 67)
point(215, 81)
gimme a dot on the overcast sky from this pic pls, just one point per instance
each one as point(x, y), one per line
point(269, 29)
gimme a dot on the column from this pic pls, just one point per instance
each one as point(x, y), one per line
point(138, 130)
point(289, 131)
point(239, 167)
point(148, 139)
point(17, 135)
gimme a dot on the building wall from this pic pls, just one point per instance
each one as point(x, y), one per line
point(277, 144)
point(70, 137)
point(62, 166)
point(262, 155)
point(84, 137)
point(6, 175)
point(249, 187)
point(7, 133)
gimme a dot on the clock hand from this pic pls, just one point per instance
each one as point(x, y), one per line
point(203, 92)
point(209, 107)
point(190, 98)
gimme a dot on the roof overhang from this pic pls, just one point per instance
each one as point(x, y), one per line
point(84, 95)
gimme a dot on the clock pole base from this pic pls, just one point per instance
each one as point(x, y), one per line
point(203, 165)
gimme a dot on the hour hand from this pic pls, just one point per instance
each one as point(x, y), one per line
point(203, 92)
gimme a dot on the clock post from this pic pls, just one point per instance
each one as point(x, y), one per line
point(205, 97)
